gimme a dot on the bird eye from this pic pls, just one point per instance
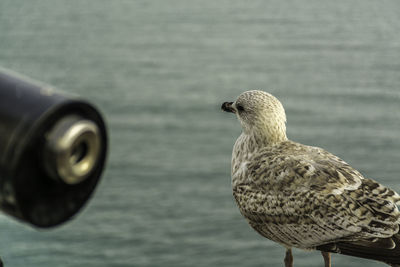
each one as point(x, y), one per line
point(240, 107)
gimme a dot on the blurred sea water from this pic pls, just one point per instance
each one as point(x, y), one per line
point(159, 71)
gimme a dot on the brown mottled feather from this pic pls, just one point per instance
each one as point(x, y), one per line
point(305, 197)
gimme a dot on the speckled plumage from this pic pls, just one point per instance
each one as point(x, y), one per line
point(303, 196)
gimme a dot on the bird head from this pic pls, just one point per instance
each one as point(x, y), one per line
point(259, 113)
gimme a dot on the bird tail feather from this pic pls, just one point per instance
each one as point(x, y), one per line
point(386, 250)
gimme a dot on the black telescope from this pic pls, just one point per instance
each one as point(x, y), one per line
point(52, 151)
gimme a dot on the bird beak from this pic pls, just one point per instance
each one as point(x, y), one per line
point(227, 106)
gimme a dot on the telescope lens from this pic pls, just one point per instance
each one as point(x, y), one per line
point(72, 149)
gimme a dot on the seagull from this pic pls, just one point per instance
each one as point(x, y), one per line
point(303, 196)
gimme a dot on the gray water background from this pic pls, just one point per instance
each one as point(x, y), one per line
point(159, 71)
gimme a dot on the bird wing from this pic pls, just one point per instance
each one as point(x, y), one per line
point(305, 197)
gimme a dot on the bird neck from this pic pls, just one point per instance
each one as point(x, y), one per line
point(267, 135)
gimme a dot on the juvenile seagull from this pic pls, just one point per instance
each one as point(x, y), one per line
point(305, 197)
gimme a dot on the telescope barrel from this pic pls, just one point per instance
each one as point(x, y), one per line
point(52, 151)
